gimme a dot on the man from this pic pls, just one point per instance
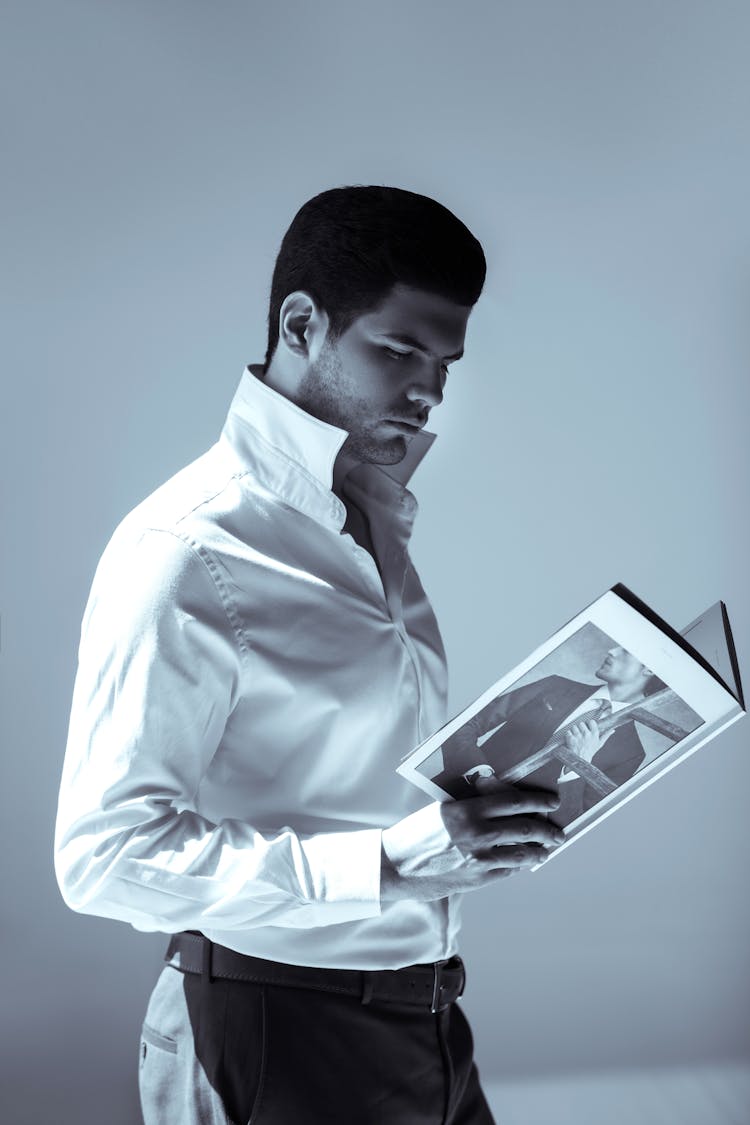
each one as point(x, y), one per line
point(578, 717)
point(257, 655)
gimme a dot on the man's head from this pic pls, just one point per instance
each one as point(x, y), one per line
point(370, 298)
point(626, 676)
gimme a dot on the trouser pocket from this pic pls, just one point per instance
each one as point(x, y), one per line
point(152, 1038)
point(202, 1051)
point(159, 1078)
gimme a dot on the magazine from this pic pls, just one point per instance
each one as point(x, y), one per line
point(608, 704)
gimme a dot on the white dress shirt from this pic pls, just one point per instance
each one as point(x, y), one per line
point(247, 684)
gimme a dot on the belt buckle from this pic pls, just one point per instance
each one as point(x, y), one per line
point(437, 971)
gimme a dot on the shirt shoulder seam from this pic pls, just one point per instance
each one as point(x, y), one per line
point(212, 567)
point(236, 475)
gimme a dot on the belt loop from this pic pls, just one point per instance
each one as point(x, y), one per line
point(206, 950)
point(171, 948)
point(367, 985)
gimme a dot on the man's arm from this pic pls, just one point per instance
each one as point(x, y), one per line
point(160, 671)
point(461, 754)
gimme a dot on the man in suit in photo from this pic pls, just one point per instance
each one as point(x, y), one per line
point(579, 717)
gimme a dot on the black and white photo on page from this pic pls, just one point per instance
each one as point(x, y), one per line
point(604, 707)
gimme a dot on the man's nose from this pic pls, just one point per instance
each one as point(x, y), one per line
point(428, 387)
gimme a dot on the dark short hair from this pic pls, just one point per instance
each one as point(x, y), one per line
point(349, 246)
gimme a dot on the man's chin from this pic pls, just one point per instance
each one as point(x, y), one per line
point(380, 451)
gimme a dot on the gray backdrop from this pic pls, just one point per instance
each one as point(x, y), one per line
point(596, 432)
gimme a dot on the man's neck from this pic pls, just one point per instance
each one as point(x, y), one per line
point(284, 382)
point(342, 466)
point(625, 693)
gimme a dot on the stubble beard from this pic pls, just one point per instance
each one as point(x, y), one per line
point(325, 394)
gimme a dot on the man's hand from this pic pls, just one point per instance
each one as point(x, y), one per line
point(583, 739)
point(463, 845)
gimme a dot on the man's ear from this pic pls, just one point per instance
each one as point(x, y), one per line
point(302, 324)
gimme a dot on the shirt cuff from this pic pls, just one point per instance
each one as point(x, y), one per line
point(481, 770)
point(345, 872)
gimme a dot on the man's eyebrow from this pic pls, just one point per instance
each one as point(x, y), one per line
point(412, 342)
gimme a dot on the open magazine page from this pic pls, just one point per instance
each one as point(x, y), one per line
point(598, 711)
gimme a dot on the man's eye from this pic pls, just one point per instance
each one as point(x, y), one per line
point(397, 355)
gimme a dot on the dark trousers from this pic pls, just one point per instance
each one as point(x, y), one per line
point(226, 1052)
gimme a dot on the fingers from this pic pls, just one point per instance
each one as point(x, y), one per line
point(514, 858)
point(523, 830)
point(508, 828)
point(573, 739)
point(582, 736)
point(513, 799)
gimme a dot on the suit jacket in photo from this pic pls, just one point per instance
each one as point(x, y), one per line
point(531, 714)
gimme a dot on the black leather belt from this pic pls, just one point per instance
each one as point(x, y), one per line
point(434, 986)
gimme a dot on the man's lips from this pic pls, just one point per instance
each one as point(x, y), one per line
point(411, 424)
